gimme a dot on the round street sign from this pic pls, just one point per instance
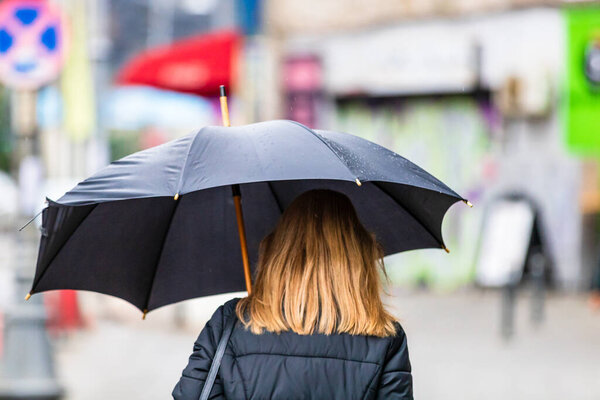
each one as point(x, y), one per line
point(32, 40)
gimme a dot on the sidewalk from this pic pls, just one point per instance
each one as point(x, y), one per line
point(454, 341)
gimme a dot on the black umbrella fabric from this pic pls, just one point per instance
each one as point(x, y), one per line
point(159, 226)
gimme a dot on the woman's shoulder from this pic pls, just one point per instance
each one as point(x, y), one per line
point(399, 330)
point(399, 338)
point(223, 313)
point(229, 306)
point(398, 345)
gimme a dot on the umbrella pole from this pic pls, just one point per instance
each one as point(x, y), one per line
point(237, 200)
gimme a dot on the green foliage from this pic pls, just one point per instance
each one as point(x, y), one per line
point(123, 143)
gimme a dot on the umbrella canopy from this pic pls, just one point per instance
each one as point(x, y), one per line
point(197, 65)
point(159, 226)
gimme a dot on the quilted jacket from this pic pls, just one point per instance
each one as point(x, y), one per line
point(291, 366)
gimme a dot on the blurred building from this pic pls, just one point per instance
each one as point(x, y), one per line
point(53, 136)
point(474, 92)
point(85, 119)
point(493, 97)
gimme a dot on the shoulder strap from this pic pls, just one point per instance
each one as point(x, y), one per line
point(216, 362)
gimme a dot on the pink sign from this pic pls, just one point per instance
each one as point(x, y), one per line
point(32, 42)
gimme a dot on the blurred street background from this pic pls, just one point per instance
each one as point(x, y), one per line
point(500, 99)
point(454, 348)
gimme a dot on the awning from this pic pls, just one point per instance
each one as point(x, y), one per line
point(195, 65)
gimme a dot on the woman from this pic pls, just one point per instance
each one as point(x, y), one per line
point(314, 326)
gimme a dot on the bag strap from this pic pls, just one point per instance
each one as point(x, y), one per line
point(216, 362)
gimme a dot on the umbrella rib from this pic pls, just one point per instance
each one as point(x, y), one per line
point(387, 193)
point(162, 247)
point(187, 155)
point(37, 281)
point(315, 134)
point(275, 197)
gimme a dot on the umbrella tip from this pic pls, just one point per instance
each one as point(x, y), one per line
point(224, 108)
point(144, 315)
point(28, 296)
point(358, 182)
point(445, 249)
point(467, 202)
point(176, 197)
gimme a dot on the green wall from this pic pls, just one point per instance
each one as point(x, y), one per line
point(582, 100)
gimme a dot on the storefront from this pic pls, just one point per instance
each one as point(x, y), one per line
point(475, 101)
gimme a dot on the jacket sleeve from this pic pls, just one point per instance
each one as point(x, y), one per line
point(193, 376)
point(396, 378)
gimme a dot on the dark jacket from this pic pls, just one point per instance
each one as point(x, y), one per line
point(291, 366)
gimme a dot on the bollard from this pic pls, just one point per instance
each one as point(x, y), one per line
point(26, 366)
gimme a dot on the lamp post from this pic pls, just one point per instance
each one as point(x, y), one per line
point(26, 366)
point(32, 56)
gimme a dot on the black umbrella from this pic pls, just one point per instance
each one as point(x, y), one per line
point(159, 226)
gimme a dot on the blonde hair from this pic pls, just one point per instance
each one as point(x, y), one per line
point(318, 272)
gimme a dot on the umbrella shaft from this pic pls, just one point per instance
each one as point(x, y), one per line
point(237, 200)
point(224, 111)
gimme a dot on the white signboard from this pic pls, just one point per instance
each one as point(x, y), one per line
point(447, 56)
point(427, 59)
point(504, 242)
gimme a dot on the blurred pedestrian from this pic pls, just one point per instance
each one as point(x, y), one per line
point(314, 326)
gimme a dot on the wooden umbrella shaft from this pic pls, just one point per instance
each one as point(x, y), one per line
point(224, 107)
point(237, 200)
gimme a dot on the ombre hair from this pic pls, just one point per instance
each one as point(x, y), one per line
point(318, 272)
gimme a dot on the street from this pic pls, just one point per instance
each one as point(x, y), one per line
point(454, 342)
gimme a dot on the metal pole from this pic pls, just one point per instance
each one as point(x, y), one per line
point(509, 299)
point(537, 268)
point(26, 367)
point(507, 327)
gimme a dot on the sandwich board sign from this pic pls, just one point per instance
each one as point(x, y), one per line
point(505, 240)
point(32, 43)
